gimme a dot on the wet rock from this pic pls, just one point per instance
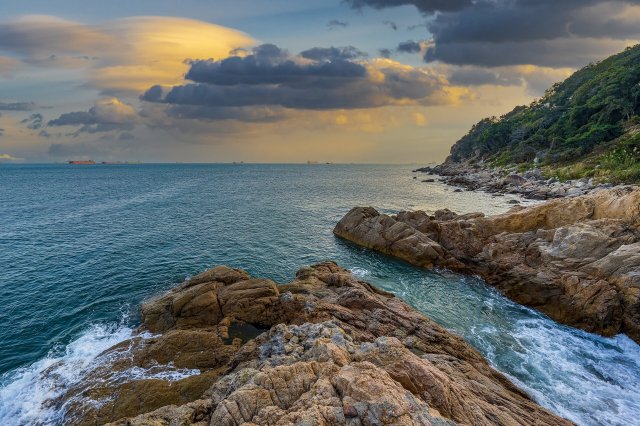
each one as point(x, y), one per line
point(534, 255)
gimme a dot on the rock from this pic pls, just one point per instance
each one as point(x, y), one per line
point(515, 180)
point(429, 180)
point(338, 351)
point(570, 258)
point(193, 413)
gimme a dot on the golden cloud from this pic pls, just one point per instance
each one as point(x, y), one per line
point(155, 50)
point(125, 55)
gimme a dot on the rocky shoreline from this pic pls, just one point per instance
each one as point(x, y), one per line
point(530, 184)
point(326, 348)
point(576, 259)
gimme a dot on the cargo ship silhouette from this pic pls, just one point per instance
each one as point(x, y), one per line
point(82, 162)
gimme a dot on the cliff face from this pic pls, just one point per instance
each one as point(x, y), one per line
point(324, 349)
point(575, 259)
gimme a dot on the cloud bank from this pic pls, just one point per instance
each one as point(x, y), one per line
point(549, 33)
point(317, 79)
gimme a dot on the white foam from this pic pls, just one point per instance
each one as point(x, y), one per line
point(26, 393)
point(360, 272)
point(588, 379)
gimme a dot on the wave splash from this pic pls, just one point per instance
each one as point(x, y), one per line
point(28, 395)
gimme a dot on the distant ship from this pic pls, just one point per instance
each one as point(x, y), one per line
point(82, 162)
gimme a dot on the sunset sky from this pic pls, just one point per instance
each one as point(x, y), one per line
point(374, 81)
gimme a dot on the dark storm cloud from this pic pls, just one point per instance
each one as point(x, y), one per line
point(333, 53)
point(335, 23)
point(555, 33)
point(34, 121)
point(409, 46)
point(270, 78)
point(424, 6)
point(527, 20)
point(17, 106)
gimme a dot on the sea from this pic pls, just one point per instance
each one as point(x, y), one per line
point(81, 246)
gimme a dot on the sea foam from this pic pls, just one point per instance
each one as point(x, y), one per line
point(27, 395)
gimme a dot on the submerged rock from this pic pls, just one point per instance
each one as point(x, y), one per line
point(575, 259)
point(326, 349)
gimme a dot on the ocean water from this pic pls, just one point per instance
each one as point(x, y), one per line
point(82, 246)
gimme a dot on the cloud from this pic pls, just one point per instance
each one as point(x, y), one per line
point(335, 23)
point(106, 115)
point(36, 36)
point(391, 25)
point(549, 33)
point(385, 53)
point(546, 32)
point(409, 46)
point(34, 121)
point(425, 6)
point(535, 79)
point(561, 53)
point(271, 77)
point(125, 55)
point(17, 106)
point(333, 53)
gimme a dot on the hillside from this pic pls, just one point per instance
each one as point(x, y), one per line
point(585, 126)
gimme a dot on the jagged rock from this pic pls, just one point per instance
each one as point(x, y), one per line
point(338, 351)
point(573, 258)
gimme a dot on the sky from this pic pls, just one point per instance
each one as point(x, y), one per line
point(353, 81)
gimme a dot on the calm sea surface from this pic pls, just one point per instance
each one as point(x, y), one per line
point(81, 246)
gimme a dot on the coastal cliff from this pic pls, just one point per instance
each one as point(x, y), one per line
point(326, 348)
point(575, 259)
point(586, 127)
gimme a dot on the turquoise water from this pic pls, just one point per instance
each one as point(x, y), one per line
point(81, 246)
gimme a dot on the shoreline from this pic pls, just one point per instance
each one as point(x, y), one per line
point(529, 184)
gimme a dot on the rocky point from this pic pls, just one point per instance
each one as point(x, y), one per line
point(325, 349)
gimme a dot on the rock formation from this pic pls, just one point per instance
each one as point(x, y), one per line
point(325, 349)
point(575, 259)
point(530, 184)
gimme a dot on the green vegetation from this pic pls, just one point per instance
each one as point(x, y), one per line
point(586, 126)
